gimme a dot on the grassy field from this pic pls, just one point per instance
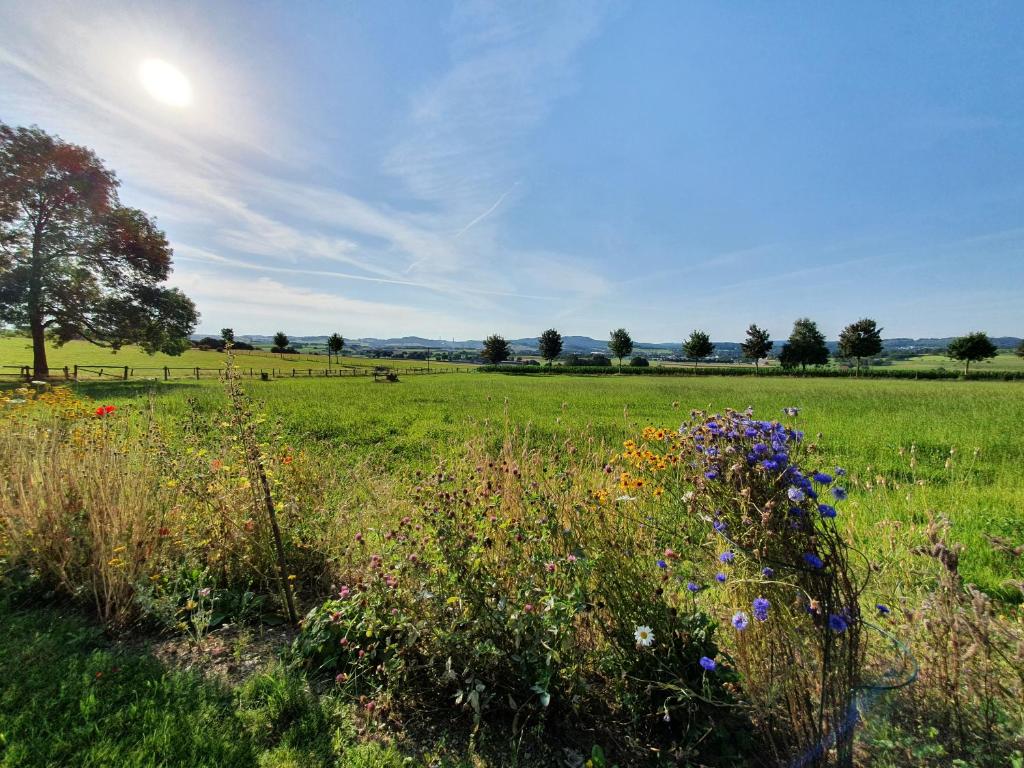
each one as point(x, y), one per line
point(894, 437)
point(913, 450)
point(1006, 360)
point(17, 351)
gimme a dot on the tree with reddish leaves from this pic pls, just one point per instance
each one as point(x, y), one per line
point(74, 262)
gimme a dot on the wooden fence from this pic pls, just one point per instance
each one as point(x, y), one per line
point(109, 372)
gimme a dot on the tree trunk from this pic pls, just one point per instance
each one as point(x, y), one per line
point(967, 367)
point(40, 369)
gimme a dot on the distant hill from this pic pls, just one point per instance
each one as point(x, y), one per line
point(584, 344)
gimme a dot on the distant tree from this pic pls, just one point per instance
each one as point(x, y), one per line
point(639, 362)
point(806, 346)
point(1020, 349)
point(698, 346)
point(74, 262)
point(209, 343)
point(598, 360)
point(280, 342)
point(335, 343)
point(859, 340)
point(550, 345)
point(227, 335)
point(971, 348)
point(573, 359)
point(620, 343)
point(757, 345)
point(496, 349)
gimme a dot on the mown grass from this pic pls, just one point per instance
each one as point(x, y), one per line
point(899, 431)
point(1006, 360)
point(71, 697)
point(17, 351)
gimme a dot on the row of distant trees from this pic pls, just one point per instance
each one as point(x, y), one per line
point(805, 346)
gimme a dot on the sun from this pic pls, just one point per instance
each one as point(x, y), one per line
point(165, 83)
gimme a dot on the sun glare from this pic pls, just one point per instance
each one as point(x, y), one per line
point(165, 83)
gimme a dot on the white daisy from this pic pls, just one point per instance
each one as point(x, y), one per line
point(644, 635)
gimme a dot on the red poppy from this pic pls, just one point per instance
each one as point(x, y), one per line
point(109, 408)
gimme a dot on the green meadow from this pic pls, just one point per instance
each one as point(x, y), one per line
point(16, 351)
point(912, 448)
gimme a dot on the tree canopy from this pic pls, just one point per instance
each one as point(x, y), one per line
point(806, 346)
point(228, 335)
point(971, 348)
point(698, 346)
point(620, 343)
point(280, 342)
point(550, 344)
point(335, 343)
point(496, 349)
point(74, 262)
point(757, 344)
point(859, 340)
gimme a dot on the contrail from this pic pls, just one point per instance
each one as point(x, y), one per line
point(486, 213)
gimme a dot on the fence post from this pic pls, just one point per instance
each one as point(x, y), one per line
point(293, 373)
point(25, 373)
point(309, 372)
point(167, 373)
point(126, 373)
point(66, 374)
point(76, 372)
point(197, 373)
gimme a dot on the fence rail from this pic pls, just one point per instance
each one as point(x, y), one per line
point(168, 373)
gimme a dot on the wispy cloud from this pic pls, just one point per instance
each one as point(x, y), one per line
point(228, 202)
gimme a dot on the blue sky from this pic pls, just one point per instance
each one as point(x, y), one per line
point(453, 170)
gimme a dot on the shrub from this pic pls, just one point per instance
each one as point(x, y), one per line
point(639, 362)
point(514, 594)
point(781, 568)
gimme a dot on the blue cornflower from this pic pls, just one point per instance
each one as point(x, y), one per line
point(796, 511)
point(826, 510)
point(840, 472)
point(813, 560)
point(720, 577)
point(795, 495)
point(767, 572)
point(750, 432)
point(822, 478)
point(791, 412)
point(839, 494)
point(882, 609)
point(727, 556)
point(708, 664)
point(740, 620)
point(837, 623)
point(761, 606)
point(662, 564)
point(693, 586)
point(770, 464)
point(719, 526)
point(712, 475)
